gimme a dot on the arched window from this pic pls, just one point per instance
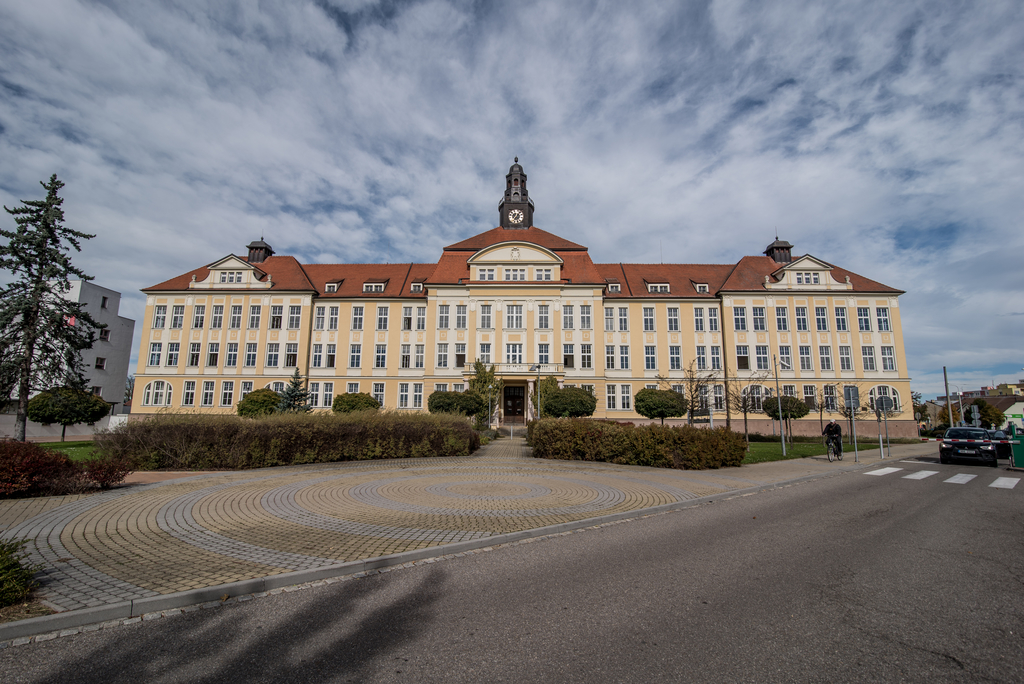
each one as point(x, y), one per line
point(884, 391)
point(157, 393)
point(276, 386)
point(756, 394)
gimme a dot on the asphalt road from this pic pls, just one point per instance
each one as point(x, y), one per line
point(849, 577)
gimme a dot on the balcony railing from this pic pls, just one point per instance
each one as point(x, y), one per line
point(527, 368)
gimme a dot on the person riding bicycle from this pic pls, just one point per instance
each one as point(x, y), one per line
point(834, 434)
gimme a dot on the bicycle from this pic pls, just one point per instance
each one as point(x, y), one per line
point(834, 449)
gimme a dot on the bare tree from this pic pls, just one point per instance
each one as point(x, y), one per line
point(744, 399)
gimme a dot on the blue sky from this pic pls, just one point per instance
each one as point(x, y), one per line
point(884, 137)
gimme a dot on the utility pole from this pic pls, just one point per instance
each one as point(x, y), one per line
point(949, 404)
point(782, 430)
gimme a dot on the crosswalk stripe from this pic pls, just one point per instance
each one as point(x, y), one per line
point(883, 471)
point(1005, 482)
point(962, 478)
point(920, 474)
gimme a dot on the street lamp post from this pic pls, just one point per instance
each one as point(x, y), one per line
point(782, 430)
point(490, 416)
point(536, 367)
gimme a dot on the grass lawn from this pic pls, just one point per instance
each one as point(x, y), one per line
point(761, 452)
point(76, 451)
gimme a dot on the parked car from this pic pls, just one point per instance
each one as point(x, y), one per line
point(1002, 450)
point(974, 450)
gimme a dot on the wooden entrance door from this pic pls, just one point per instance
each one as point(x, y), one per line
point(515, 403)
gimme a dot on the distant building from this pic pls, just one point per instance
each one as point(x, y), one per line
point(106, 364)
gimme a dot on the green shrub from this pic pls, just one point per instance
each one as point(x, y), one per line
point(353, 402)
point(261, 402)
point(659, 446)
point(569, 402)
point(16, 578)
point(196, 442)
point(468, 403)
point(656, 403)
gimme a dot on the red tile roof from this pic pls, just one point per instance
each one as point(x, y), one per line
point(681, 278)
point(750, 272)
point(531, 234)
point(285, 272)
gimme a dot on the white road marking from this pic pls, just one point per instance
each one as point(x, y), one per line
point(1005, 482)
point(920, 474)
point(962, 478)
point(883, 471)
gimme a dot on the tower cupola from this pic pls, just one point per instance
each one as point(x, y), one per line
point(515, 210)
point(780, 251)
point(259, 251)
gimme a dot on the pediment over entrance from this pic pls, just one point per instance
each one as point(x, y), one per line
point(512, 252)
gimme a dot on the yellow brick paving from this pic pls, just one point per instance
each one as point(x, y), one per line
point(203, 531)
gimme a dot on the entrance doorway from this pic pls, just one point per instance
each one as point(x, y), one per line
point(515, 404)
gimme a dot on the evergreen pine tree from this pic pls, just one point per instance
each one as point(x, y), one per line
point(43, 333)
point(295, 397)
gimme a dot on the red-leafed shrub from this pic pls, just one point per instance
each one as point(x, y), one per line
point(28, 469)
point(107, 472)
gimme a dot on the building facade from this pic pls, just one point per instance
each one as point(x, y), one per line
point(533, 304)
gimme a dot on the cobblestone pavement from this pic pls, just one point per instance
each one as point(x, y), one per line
point(202, 531)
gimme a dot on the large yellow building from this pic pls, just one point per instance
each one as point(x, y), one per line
point(533, 304)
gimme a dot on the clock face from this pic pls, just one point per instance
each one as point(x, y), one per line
point(515, 216)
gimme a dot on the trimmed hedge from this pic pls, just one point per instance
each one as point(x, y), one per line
point(28, 469)
point(197, 442)
point(685, 447)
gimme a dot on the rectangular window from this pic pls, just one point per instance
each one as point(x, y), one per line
point(332, 318)
point(485, 274)
point(255, 312)
point(227, 393)
point(442, 316)
point(868, 358)
point(830, 397)
point(485, 315)
point(199, 316)
point(609, 393)
point(782, 318)
point(460, 316)
point(276, 317)
point(609, 318)
point(485, 353)
point(586, 356)
point(105, 335)
point(568, 358)
point(624, 357)
point(318, 356)
point(585, 317)
point(103, 303)
point(702, 358)
point(159, 316)
point(188, 396)
point(864, 319)
point(623, 318)
point(250, 354)
point(543, 319)
point(273, 353)
point(405, 356)
point(155, 351)
point(357, 318)
point(712, 320)
point(806, 364)
point(716, 358)
point(825, 356)
point(231, 358)
point(609, 353)
point(739, 317)
point(217, 318)
point(382, 318)
point(314, 394)
point(442, 355)
point(567, 316)
point(719, 398)
point(675, 360)
point(514, 316)
point(177, 316)
point(355, 355)
point(888, 359)
point(246, 389)
point(673, 319)
point(352, 388)
point(757, 313)
point(319, 319)
point(194, 352)
point(513, 353)
point(378, 393)
point(460, 355)
point(172, 353)
point(543, 273)
point(801, 318)
point(761, 356)
point(785, 358)
point(821, 318)
point(789, 390)
point(207, 398)
point(213, 354)
point(421, 318)
point(380, 359)
point(543, 354)
point(417, 395)
point(742, 357)
point(328, 394)
point(235, 320)
point(418, 358)
point(291, 355)
point(515, 274)
point(845, 359)
point(841, 323)
point(648, 318)
point(883, 319)
point(810, 397)
point(625, 397)
point(650, 357)
point(406, 318)
point(403, 395)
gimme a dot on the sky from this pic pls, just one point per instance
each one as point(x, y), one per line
point(884, 137)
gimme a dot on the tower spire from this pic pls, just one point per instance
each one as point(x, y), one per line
point(515, 210)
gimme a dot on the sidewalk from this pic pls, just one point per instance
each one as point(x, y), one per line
point(142, 541)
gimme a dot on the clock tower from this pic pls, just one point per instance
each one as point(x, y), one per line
point(516, 208)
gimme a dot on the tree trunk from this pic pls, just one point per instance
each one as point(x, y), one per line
point(63, 431)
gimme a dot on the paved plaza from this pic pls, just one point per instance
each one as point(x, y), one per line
point(195, 532)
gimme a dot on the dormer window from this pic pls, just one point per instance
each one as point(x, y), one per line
point(661, 288)
point(542, 274)
point(231, 276)
point(515, 274)
point(614, 287)
point(807, 279)
point(485, 274)
point(417, 287)
point(702, 288)
point(331, 287)
point(373, 287)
